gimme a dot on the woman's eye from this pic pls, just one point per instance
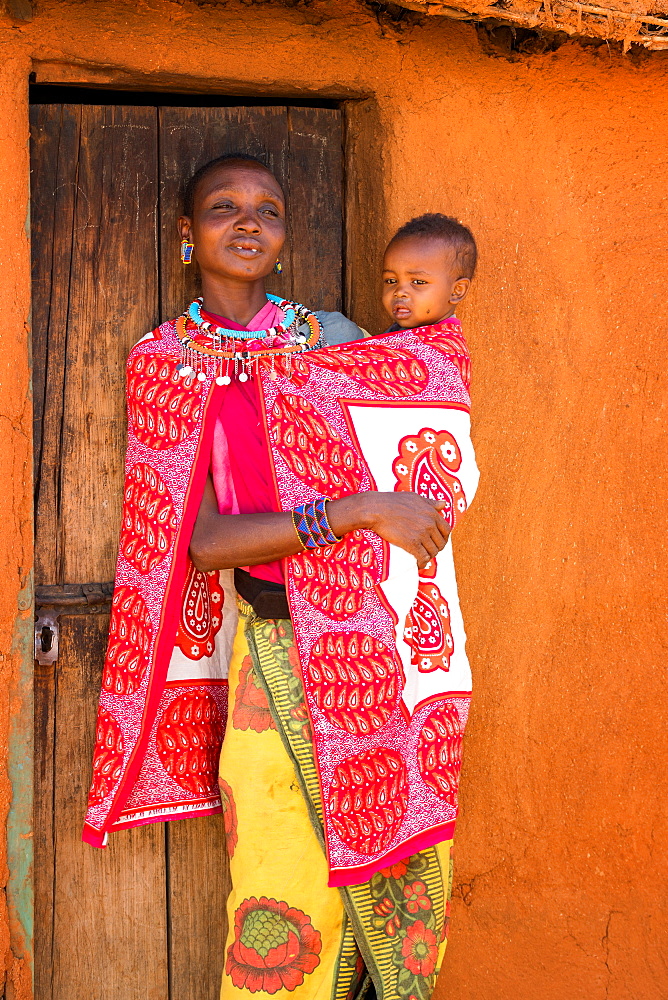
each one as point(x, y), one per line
point(270, 211)
point(223, 204)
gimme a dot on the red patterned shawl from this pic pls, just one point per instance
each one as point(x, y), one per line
point(381, 649)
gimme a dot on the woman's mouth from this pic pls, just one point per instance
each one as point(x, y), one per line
point(243, 249)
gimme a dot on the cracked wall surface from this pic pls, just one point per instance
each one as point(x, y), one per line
point(557, 162)
point(16, 518)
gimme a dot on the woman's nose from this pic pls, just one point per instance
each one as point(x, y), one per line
point(247, 223)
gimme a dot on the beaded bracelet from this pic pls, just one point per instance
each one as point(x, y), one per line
point(311, 524)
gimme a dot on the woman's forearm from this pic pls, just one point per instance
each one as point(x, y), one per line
point(224, 541)
point(231, 540)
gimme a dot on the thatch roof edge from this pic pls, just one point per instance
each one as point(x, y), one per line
point(574, 18)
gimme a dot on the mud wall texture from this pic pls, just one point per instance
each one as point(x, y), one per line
point(557, 161)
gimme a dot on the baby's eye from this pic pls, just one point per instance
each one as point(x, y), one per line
point(419, 281)
point(390, 281)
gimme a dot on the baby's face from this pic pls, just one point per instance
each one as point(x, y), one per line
point(421, 282)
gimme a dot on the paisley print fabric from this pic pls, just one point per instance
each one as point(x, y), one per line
point(377, 677)
point(381, 649)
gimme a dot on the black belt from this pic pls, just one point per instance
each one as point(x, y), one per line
point(267, 599)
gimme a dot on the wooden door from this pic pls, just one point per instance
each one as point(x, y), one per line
point(143, 919)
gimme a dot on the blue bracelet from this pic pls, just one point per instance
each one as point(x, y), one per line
point(311, 524)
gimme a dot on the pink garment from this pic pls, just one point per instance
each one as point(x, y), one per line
point(240, 459)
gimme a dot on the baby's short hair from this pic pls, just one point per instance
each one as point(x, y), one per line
point(435, 225)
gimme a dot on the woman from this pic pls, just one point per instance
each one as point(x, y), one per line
point(247, 453)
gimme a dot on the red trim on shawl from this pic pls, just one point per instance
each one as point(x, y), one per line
point(183, 814)
point(96, 838)
point(197, 682)
point(171, 609)
point(420, 842)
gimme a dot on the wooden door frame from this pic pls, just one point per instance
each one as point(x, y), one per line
point(362, 199)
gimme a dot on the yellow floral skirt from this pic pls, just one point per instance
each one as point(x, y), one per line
point(289, 934)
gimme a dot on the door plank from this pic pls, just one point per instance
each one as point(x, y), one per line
point(198, 884)
point(94, 228)
point(55, 131)
point(109, 919)
point(113, 301)
point(315, 165)
point(190, 137)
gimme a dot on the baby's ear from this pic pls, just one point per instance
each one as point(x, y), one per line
point(459, 290)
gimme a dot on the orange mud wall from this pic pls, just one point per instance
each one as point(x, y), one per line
point(558, 163)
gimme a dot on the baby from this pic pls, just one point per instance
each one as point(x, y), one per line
point(427, 271)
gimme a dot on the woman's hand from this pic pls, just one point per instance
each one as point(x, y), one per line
point(405, 519)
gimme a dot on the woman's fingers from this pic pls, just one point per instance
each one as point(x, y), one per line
point(413, 522)
point(441, 523)
point(443, 528)
point(433, 537)
point(427, 545)
point(438, 539)
point(423, 557)
point(430, 545)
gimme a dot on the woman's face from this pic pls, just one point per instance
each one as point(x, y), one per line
point(238, 221)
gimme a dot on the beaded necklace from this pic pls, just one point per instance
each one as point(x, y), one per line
point(194, 311)
point(226, 355)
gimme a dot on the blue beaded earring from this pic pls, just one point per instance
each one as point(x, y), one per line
point(186, 251)
point(278, 267)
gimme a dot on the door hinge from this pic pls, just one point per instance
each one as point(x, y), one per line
point(46, 639)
